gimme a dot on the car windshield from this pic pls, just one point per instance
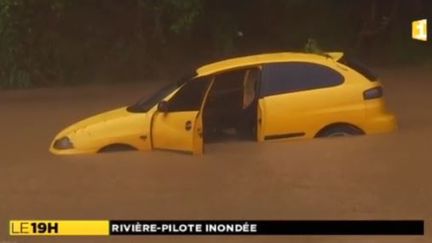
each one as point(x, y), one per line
point(146, 103)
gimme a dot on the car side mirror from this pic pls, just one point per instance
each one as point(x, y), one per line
point(163, 106)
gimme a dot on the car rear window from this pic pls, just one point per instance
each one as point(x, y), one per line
point(360, 67)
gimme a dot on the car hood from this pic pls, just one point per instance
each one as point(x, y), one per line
point(94, 120)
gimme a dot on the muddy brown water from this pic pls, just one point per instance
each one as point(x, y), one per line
point(369, 177)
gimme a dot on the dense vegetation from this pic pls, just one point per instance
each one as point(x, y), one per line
point(55, 42)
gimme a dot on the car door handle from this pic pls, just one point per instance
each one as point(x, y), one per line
point(188, 125)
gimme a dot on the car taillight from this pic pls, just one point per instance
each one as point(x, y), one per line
point(374, 93)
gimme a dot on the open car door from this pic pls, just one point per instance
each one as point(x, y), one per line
point(177, 124)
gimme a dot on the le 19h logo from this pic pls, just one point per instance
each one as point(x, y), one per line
point(419, 30)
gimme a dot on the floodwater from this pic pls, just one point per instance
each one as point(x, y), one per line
point(368, 177)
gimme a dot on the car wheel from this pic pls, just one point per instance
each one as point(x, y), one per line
point(340, 131)
point(116, 148)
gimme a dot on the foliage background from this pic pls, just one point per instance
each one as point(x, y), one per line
point(64, 42)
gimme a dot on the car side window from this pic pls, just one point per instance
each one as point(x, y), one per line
point(237, 87)
point(227, 88)
point(228, 82)
point(278, 78)
point(190, 95)
point(250, 84)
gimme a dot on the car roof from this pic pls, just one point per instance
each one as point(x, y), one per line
point(244, 61)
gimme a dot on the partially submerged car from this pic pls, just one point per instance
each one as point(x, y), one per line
point(261, 97)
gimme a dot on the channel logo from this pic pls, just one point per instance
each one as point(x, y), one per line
point(419, 30)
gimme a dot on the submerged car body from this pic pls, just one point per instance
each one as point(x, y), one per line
point(260, 97)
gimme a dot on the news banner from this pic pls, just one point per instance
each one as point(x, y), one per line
point(213, 227)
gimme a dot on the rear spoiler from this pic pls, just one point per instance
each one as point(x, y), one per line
point(335, 55)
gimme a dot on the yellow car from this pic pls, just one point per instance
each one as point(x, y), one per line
point(260, 97)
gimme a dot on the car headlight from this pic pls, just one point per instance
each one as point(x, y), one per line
point(63, 143)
